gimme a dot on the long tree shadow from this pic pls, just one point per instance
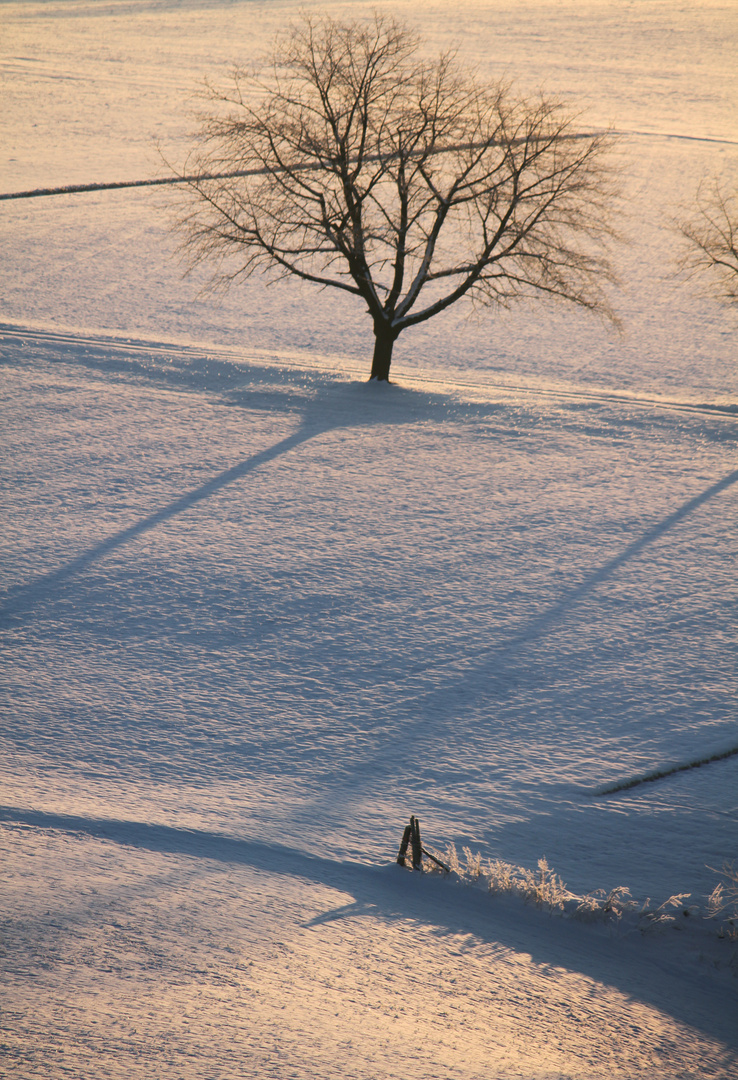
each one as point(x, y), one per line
point(321, 405)
point(488, 673)
point(556, 613)
point(390, 893)
point(23, 597)
point(318, 414)
point(463, 666)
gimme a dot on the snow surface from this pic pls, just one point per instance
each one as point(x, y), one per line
point(256, 612)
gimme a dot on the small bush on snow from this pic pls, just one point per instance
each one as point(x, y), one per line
point(541, 886)
point(473, 863)
point(723, 901)
point(602, 903)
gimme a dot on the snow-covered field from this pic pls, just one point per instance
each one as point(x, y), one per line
point(256, 612)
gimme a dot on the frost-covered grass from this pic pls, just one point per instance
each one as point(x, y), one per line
point(544, 888)
point(723, 901)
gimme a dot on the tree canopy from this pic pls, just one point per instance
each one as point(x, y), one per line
point(359, 164)
point(710, 236)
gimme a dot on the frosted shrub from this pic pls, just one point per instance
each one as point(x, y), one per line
point(541, 886)
point(502, 876)
point(473, 864)
point(452, 859)
point(545, 888)
point(548, 888)
point(601, 903)
point(663, 913)
point(723, 901)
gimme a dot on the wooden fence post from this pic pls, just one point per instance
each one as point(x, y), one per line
point(411, 838)
point(404, 845)
point(416, 845)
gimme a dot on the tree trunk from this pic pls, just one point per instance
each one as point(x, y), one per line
point(382, 355)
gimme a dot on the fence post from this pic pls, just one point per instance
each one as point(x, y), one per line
point(404, 845)
point(411, 836)
point(416, 845)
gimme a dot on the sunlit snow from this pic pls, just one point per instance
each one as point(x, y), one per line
point(256, 612)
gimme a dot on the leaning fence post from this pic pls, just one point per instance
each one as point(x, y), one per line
point(411, 836)
point(403, 846)
point(417, 846)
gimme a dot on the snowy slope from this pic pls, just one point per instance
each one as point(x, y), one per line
point(248, 607)
point(254, 612)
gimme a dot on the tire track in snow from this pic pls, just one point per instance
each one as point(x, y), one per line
point(661, 774)
point(114, 185)
point(675, 135)
point(583, 396)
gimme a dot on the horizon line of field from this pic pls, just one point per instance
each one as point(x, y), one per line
point(114, 185)
point(727, 411)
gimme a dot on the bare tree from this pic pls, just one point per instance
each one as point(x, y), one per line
point(362, 166)
point(711, 239)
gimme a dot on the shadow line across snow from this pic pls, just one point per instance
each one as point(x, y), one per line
point(318, 413)
point(306, 395)
point(24, 596)
point(647, 970)
point(555, 614)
